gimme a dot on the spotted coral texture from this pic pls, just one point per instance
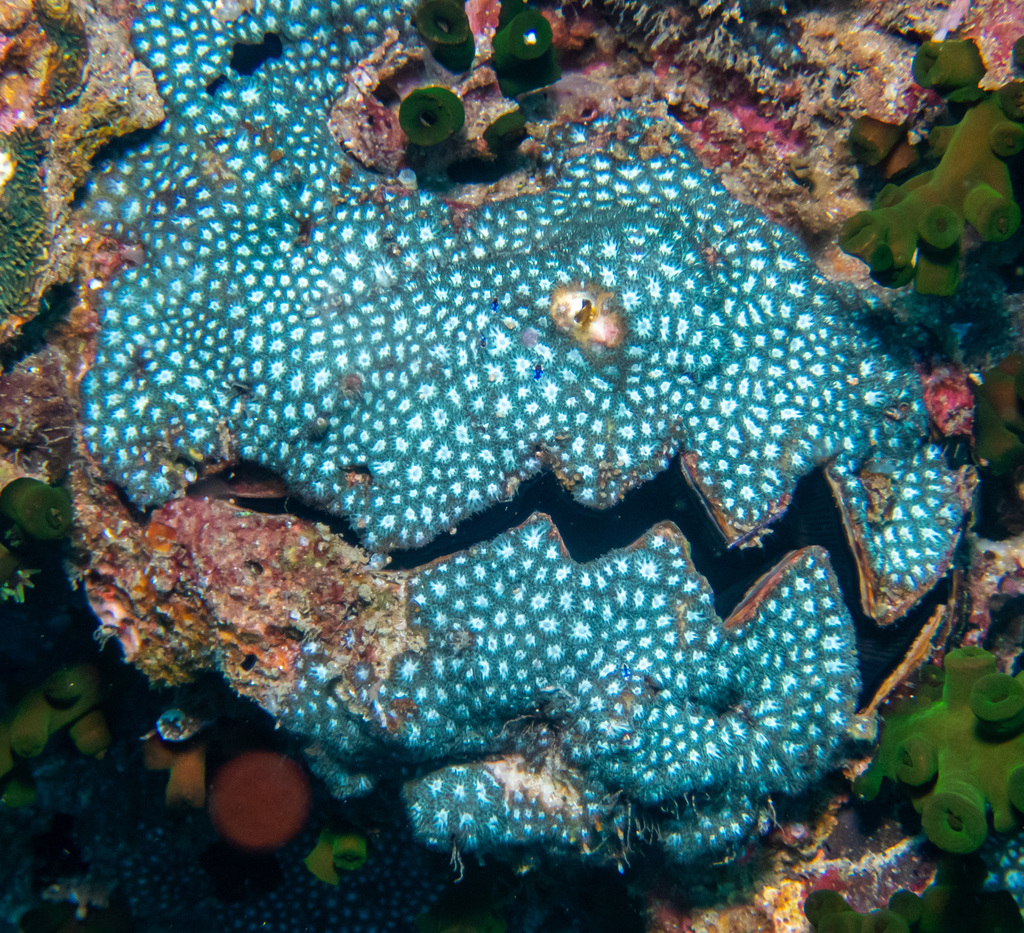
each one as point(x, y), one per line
point(613, 678)
point(903, 518)
point(296, 313)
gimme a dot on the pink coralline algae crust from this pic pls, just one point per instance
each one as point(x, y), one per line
point(205, 585)
point(483, 16)
point(995, 575)
point(715, 134)
point(948, 398)
point(777, 132)
point(996, 25)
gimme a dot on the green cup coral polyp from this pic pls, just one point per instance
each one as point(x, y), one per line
point(67, 699)
point(429, 115)
point(913, 231)
point(959, 755)
point(336, 851)
point(444, 27)
point(40, 511)
point(31, 512)
point(524, 56)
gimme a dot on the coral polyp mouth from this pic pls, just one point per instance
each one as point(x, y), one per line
point(590, 316)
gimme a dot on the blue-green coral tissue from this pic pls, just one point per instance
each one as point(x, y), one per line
point(408, 368)
point(959, 755)
point(545, 697)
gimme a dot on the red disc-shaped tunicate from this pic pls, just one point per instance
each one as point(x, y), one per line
point(259, 801)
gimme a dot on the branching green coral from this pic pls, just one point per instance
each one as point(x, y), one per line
point(22, 218)
point(913, 231)
point(959, 754)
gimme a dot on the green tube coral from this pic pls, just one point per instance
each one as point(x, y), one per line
point(872, 140)
point(505, 133)
point(951, 68)
point(999, 416)
point(955, 902)
point(444, 27)
point(429, 115)
point(42, 512)
point(34, 511)
point(524, 56)
point(336, 851)
point(68, 699)
point(959, 755)
point(913, 232)
point(64, 697)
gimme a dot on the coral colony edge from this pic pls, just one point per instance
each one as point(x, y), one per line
point(405, 362)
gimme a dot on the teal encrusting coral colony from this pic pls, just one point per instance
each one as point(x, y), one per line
point(409, 337)
point(646, 695)
point(630, 311)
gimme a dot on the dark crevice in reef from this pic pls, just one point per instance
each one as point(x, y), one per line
point(588, 533)
point(257, 489)
point(54, 306)
point(112, 151)
point(999, 511)
point(215, 85)
point(246, 59)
